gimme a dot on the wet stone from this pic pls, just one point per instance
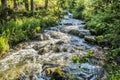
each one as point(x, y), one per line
point(59, 42)
point(43, 51)
point(56, 49)
point(76, 33)
point(90, 39)
point(93, 32)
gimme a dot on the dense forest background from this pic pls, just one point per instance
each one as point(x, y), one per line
point(20, 20)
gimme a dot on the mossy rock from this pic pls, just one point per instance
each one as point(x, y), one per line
point(76, 33)
point(43, 51)
point(90, 39)
point(55, 73)
point(93, 32)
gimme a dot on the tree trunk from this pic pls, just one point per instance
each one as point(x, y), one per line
point(4, 11)
point(32, 7)
point(4, 4)
point(27, 5)
point(46, 4)
point(15, 4)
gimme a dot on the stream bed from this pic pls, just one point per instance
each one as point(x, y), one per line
point(50, 56)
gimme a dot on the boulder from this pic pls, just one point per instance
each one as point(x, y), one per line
point(43, 51)
point(85, 32)
point(90, 39)
point(60, 48)
point(80, 33)
point(59, 42)
point(44, 37)
point(84, 71)
point(55, 73)
point(76, 33)
point(93, 32)
point(56, 35)
point(91, 72)
point(40, 45)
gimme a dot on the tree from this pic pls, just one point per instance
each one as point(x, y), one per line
point(62, 3)
point(27, 4)
point(46, 4)
point(5, 10)
point(32, 6)
point(15, 4)
point(4, 4)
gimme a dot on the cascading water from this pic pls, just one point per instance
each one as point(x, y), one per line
point(53, 51)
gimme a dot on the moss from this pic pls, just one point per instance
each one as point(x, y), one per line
point(75, 59)
point(57, 74)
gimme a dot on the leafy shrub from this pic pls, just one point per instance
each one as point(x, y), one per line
point(31, 27)
point(77, 13)
point(113, 71)
point(20, 30)
point(4, 46)
point(114, 75)
point(48, 21)
point(23, 29)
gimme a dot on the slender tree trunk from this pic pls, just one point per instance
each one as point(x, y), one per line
point(15, 4)
point(5, 10)
point(46, 4)
point(4, 4)
point(27, 5)
point(32, 7)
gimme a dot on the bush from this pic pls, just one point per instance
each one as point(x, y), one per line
point(20, 30)
point(23, 29)
point(115, 75)
point(77, 12)
point(48, 21)
point(31, 27)
point(4, 46)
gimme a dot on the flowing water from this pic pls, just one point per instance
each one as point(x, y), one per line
point(54, 49)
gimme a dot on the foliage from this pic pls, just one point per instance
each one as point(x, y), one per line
point(77, 12)
point(75, 59)
point(112, 64)
point(3, 45)
point(84, 58)
point(100, 39)
point(23, 29)
point(49, 21)
point(20, 30)
point(114, 75)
